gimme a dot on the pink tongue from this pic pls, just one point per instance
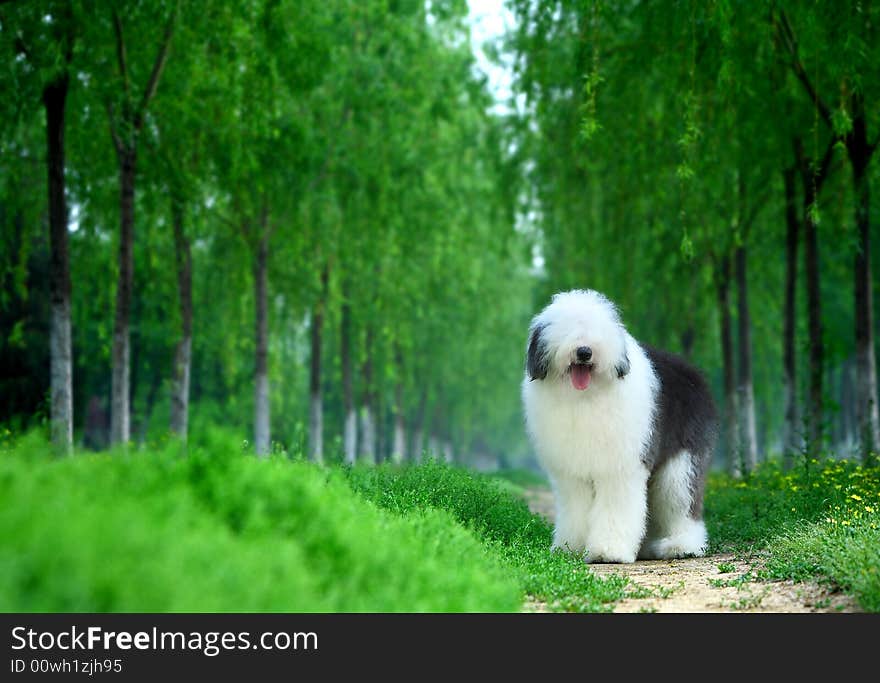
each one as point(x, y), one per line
point(580, 376)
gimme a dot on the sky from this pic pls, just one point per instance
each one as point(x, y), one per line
point(489, 20)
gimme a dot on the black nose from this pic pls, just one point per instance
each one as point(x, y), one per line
point(584, 353)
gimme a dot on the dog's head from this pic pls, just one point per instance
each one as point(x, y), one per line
point(577, 337)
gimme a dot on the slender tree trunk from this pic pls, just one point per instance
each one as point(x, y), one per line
point(398, 447)
point(120, 409)
point(866, 371)
point(380, 426)
point(60, 354)
point(816, 360)
point(368, 423)
point(438, 440)
point(418, 428)
point(850, 407)
point(125, 142)
point(149, 404)
point(350, 436)
point(183, 353)
point(349, 439)
point(734, 454)
point(316, 414)
point(745, 388)
point(791, 442)
point(261, 370)
point(368, 434)
point(812, 179)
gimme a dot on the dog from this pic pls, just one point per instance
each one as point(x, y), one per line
point(624, 431)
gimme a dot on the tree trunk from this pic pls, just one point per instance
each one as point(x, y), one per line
point(813, 176)
point(149, 404)
point(734, 455)
point(60, 354)
point(791, 442)
point(120, 410)
point(261, 370)
point(418, 428)
point(125, 142)
point(398, 446)
point(849, 405)
point(866, 372)
point(381, 432)
point(368, 423)
point(434, 449)
point(368, 434)
point(349, 438)
point(316, 413)
point(816, 347)
point(745, 389)
point(183, 354)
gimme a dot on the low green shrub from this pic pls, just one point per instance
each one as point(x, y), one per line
point(220, 531)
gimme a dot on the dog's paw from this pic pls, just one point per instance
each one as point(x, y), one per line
point(673, 547)
point(599, 555)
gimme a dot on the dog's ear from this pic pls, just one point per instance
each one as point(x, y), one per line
point(536, 357)
point(622, 366)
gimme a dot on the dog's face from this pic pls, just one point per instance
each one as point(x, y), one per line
point(577, 338)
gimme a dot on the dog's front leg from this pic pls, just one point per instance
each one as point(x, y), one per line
point(617, 517)
point(574, 499)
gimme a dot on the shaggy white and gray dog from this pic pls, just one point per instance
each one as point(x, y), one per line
point(624, 431)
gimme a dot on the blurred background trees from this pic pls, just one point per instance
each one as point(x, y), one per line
point(310, 222)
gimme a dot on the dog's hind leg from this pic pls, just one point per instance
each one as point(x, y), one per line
point(675, 503)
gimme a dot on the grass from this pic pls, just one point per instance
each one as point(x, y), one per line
point(559, 581)
point(819, 521)
point(521, 477)
point(736, 582)
point(220, 531)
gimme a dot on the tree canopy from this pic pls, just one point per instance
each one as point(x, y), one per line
point(308, 221)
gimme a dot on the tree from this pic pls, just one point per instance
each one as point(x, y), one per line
point(126, 121)
point(791, 443)
point(849, 68)
point(309, 191)
point(45, 37)
point(316, 412)
point(183, 354)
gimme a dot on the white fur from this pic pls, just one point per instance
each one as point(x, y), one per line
point(671, 531)
point(592, 442)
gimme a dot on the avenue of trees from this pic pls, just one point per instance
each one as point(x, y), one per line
point(301, 219)
point(292, 217)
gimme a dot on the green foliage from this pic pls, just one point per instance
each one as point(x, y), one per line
point(558, 579)
point(218, 531)
point(846, 555)
point(521, 477)
point(821, 520)
point(354, 137)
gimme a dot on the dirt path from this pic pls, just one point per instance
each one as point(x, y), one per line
point(718, 583)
